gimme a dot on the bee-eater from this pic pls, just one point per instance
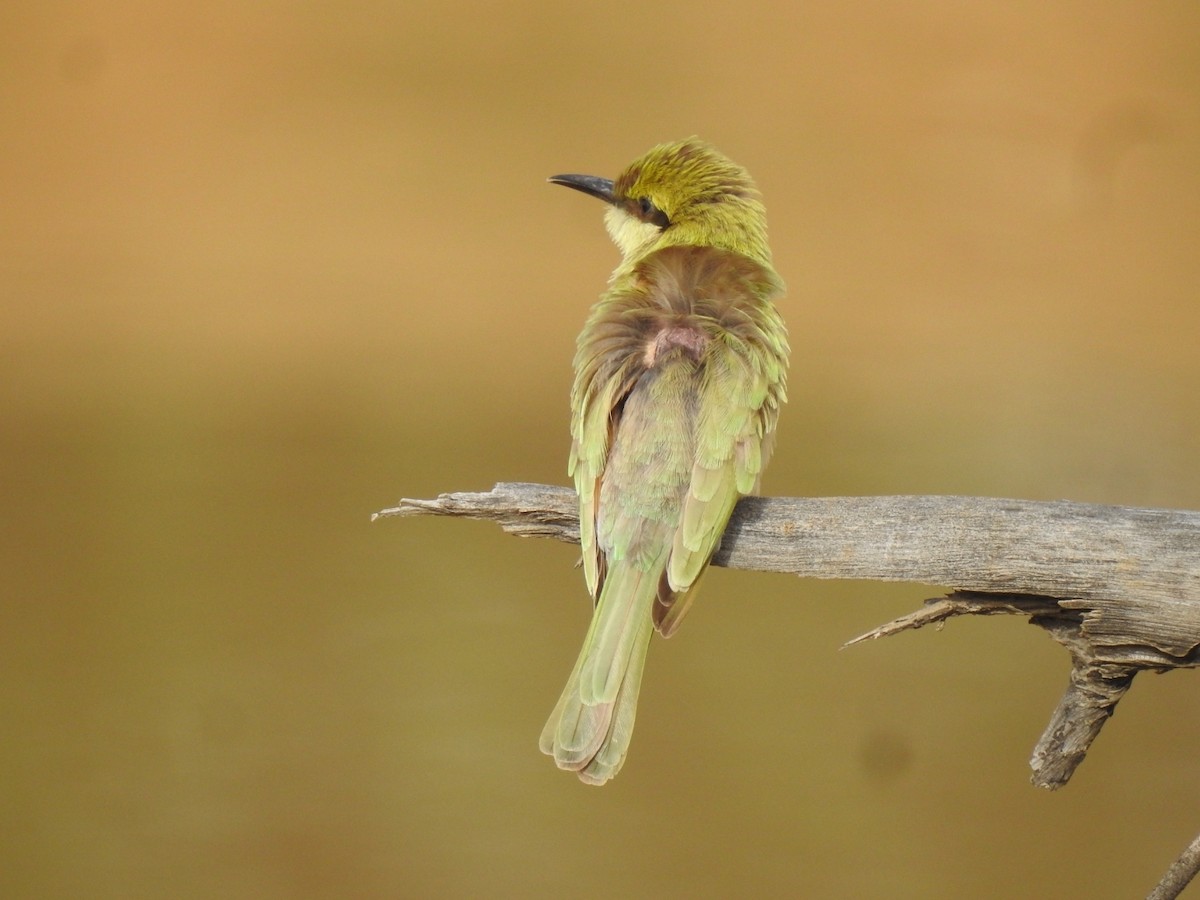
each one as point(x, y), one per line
point(680, 372)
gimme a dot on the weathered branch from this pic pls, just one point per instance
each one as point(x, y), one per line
point(1182, 871)
point(1118, 586)
point(1133, 575)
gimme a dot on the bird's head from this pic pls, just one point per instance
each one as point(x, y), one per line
point(682, 193)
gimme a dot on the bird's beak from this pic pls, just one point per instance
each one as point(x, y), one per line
point(589, 184)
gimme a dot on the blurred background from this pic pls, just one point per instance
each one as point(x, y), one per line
point(269, 267)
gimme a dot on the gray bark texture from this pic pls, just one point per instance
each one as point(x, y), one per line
point(1117, 586)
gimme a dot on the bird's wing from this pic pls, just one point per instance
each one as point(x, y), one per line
point(727, 406)
point(743, 387)
point(607, 366)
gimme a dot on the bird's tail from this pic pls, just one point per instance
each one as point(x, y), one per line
point(589, 730)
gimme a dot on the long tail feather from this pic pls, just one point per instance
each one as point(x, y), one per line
point(591, 725)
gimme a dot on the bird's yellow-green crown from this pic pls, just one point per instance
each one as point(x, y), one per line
point(686, 192)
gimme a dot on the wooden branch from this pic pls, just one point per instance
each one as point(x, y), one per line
point(1181, 872)
point(1118, 586)
point(1132, 574)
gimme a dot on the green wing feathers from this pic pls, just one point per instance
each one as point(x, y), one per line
point(680, 374)
point(742, 390)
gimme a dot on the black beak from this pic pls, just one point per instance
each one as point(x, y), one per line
point(601, 188)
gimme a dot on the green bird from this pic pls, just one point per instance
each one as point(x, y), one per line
point(680, 372)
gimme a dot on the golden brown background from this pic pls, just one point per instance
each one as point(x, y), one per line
point(268, 267)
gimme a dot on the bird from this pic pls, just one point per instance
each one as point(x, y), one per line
point(680, 374)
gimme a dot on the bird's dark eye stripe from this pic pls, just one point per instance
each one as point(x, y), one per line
point(648, 212)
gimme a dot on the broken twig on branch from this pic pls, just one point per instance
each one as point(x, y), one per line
point(1118, 586)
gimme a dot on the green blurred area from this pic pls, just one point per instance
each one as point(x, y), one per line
point(268, 268)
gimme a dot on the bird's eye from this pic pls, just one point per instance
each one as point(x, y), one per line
point(648, 212)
